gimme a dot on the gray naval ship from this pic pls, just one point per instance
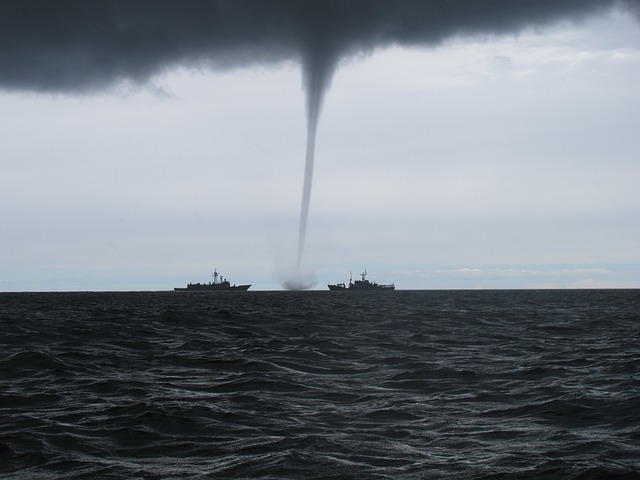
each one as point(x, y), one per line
point(360, 285)
point(219, 284)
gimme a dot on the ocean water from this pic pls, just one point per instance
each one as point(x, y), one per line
point(320, 385)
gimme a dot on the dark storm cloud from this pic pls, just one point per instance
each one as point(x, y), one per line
point(79, 45)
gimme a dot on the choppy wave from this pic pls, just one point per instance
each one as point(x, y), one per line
point(315, 385)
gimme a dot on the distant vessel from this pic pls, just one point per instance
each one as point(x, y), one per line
point(219, 284)
point(363, 284)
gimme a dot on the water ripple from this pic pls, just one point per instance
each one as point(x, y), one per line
point(317, 385)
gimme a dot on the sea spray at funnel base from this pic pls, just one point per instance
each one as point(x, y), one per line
point(299, 281)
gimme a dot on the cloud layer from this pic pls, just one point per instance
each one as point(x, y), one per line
point(78, 46)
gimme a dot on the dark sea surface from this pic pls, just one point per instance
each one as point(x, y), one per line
point(320, 385)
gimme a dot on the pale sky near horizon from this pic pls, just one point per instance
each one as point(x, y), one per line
point(484, 162)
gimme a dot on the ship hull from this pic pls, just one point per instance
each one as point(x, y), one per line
point(372, 288)
point(341, 288)
point(195, 287)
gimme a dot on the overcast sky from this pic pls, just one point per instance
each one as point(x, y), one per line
point(485, 157)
